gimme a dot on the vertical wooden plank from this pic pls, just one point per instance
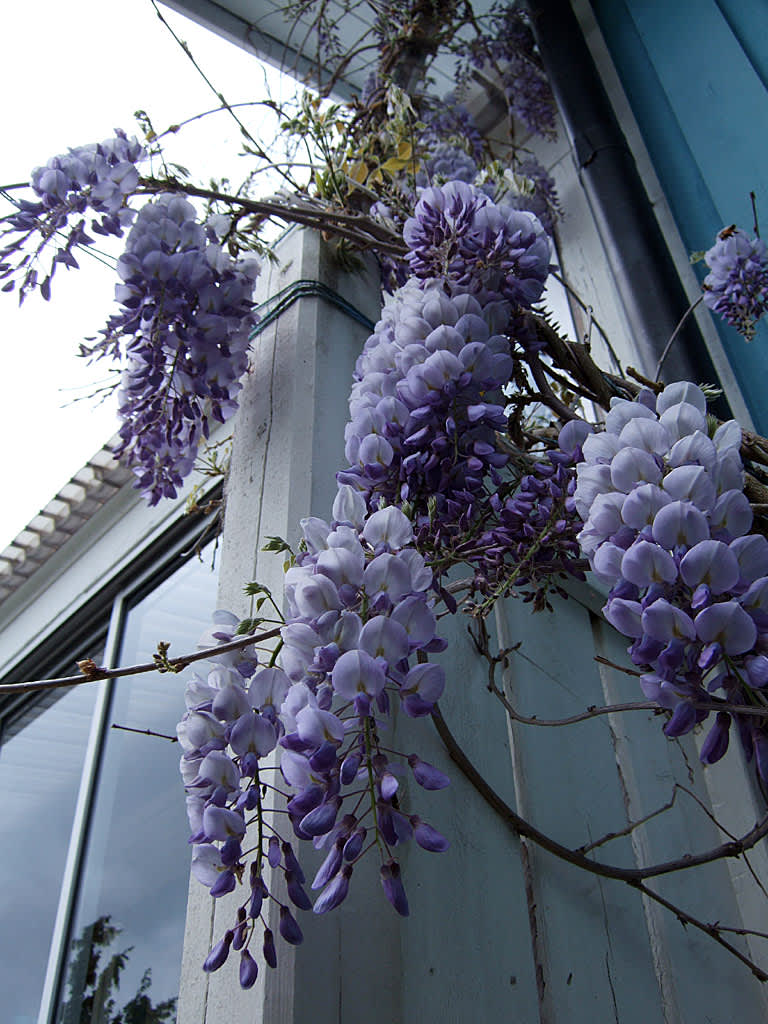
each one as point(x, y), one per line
point(594, 949)
point(695, 974)
point(466, 948)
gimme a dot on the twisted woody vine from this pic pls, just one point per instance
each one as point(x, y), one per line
point(469, 444)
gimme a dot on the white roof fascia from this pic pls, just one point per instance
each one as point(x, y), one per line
point(93, 549)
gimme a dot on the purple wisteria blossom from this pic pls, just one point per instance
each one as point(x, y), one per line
point(88, 181)
point(360, 625)
point(427, 403)
point(531, 540)
point(666, 526)
point(508, 49)
point(459, 235)
point(540, 195)
point(183, 334)
point(448, 121)
point(737, 285)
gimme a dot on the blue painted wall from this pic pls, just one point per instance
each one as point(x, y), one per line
point(696, 75)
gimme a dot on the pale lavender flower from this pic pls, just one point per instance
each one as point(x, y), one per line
point(737, 285)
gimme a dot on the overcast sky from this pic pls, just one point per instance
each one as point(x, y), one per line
point(81, 68)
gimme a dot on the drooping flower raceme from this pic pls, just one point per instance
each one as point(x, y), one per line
point(183, 331)
point(737, 285)
point(99, 178)
point(666, 526)
point(359, 628)
point(427, 402)
point(458, 234)
point(509, 47)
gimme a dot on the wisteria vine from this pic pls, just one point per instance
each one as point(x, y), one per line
point(437, 474)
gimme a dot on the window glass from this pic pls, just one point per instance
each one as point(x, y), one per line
point(127, 931)
point(41, 759)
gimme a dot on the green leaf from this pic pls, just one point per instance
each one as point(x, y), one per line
point(277, 544)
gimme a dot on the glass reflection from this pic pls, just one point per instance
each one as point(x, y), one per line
point(41, 759)
point(128, 927)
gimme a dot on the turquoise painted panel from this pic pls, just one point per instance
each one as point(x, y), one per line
point(695, 77)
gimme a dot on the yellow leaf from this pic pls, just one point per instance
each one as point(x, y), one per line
point(376, 177)
point(404, 151)
point(358, 172)
point(393, 165)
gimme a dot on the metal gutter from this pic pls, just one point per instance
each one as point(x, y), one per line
point(645, 273)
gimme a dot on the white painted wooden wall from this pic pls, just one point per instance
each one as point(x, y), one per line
point(499, 930)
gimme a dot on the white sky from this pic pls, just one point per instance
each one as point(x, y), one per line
point(81, 68)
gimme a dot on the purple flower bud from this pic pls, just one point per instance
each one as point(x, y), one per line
point(296, 894)
point(349, 768)
point(716, 743)
point(322, 819)
point(682, 721)
point(427, 837)
point(219, 953)
point(427, 776)
point(273, 851)
point(354, 845)
point(230, 851)
point(268, 949)
point(393, 887)
point(249, 970)
point(757, 670)
point(289, 928)
point(330, 865)
point(291, 863)
point(240, 930)
point(335, 893)
point(224, 884)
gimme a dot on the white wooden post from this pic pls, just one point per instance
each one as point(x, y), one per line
point(499, 930)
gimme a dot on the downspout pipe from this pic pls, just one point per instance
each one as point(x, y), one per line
point(646, 277)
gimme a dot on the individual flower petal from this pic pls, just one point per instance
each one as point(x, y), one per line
point(625, 616)
point(679, 524)
point(645, 563)
point(691, 483)
point(357, 672)
point(727, 624)
point(665, 621)
point(710, 562)
point(681, 391)
point(388, 526)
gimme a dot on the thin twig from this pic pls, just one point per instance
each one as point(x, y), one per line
point(358, 228)
point(733, 848)
point(632, 876)
point(90, 672)
point(668, 346)
point(146, 732)
point(609, 836)
point(260, 151)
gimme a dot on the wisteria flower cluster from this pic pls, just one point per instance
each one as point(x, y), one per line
point(358, 615)
point(532, 537)
point(508, 47)
point(737, 285)
point(459, 234)
point(99, 178)
point(183, 332)
point(450, 150)
point(427, 402)
point(666, 526)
